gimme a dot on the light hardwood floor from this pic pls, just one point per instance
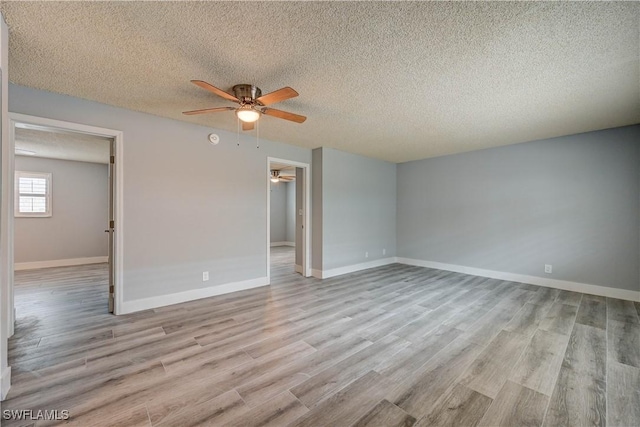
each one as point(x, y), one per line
point(390, 346)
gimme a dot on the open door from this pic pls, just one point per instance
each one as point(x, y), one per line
point(111, 227)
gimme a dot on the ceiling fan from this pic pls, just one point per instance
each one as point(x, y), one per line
point(252, 103)
point(276, 177)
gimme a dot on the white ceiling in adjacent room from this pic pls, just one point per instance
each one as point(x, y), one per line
point(55, 144)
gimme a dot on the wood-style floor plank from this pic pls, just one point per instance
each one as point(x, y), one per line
point(347, 405)
point(385, 414)
point(134, 417)
point(515, 405)
point(526, 321)
point(579, 397)
point(559, 318)
point(348, 370)
point(408, 360)
point(593, 312)
point(622, 311)
point(491, 369)
point(624, 342)
point(277, 381)
point(282, 410)
point(489, 325)
point(221, 410)
point(569, 298)
point(461, 407)
point(419, 393)
point(540, 363)
point(623, 395)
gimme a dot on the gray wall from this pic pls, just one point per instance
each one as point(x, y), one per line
point(278, 217)
point(572, 202)
point(290, 212)
point(182, 215)
point(282, 217)
point(358, 209)
point(80, 205)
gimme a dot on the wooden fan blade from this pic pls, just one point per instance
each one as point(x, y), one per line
point(284, 115)
point(207, 110)
point(247, 126)
point(286, 178)
point(277, 96)
point(211, 88)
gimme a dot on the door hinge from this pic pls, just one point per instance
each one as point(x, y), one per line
point(111, 289)
point(112, 159)
point(112, 224)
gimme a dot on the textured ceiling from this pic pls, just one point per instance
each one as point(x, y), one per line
point(396, 81)
point(54, 144)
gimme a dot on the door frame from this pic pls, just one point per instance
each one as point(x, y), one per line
point(118, 137)
point(306, 209)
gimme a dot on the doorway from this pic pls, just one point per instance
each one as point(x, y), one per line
point(288, 216)
point(44, 152)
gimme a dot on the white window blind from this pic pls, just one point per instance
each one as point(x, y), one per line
point(33, 194)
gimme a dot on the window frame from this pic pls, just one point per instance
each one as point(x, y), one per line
point(47, 196)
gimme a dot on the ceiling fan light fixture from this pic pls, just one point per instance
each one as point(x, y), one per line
point(275, 176)
point(275, 179)
point(23, 152)
point(247, 114)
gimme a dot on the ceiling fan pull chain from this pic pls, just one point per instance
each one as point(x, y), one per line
point(258, 134)
point(238, 132)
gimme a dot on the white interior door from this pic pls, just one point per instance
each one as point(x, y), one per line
point(111, 228)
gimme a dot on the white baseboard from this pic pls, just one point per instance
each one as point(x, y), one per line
point(283, 244)
point(532, 280)
point(5, 382)
point(299, 269)
point(190, 295)
point(325, 274)
point(59, 263)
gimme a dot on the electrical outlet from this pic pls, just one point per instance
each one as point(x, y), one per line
point(205, 276)
point(548, 268)
point(366, 254)
point(384, 252)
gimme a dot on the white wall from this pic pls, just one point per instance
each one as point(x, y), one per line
point(357, 209)
point(572, 202)
point(80, 205)
point(182, 215)
point(283, 206)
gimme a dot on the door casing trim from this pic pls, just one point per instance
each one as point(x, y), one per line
point(306, 209)
point(118, 137)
